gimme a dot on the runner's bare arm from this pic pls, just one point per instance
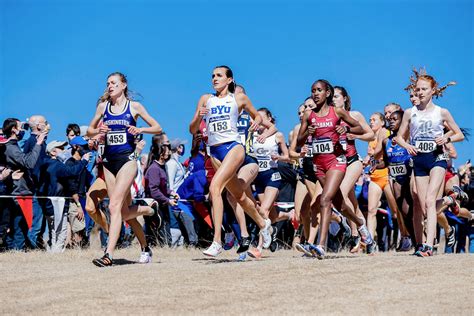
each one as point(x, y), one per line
point(355, 127)
point(303, 131)
point(244, 103)
point(403, 132)
point(368, 134)
point(153, 128)
point(92, 130)
point(201, 110)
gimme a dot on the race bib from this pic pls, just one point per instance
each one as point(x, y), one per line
point(443, 156)
point(219, 125)
point(242, 139)
point(309, 153)
point(100, 150)
point(343, 143)
point(398, 170)
point(425, 146)
point(265, 164)
point(276, 176)
point(323, 146)
point(116, 138)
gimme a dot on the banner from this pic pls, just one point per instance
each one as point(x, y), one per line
point(26, 206)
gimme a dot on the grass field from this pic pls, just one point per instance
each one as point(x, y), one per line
point(186, 282)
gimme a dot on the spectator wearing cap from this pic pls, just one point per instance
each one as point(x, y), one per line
point(76, 188)
point(53, 178)
point(23, 164)
point(38, 124)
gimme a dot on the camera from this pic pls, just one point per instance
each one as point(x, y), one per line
point(25, 125)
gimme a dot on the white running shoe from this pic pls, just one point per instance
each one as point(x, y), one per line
point(145, 257)
point(214, 250)
point(266, 233)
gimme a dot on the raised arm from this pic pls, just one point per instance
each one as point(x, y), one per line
point(457, 135)
point(355, 127)
point(245, 104)
point(280, 139)
point(304, 131)
point(201, 110)
point(154, 127)
point(92, 130)
point(403, 132)
point(368, 134)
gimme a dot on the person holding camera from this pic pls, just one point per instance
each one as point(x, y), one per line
point(23, 163)
point(38, 125)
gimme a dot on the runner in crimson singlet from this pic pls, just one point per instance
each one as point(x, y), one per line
point(323, 123)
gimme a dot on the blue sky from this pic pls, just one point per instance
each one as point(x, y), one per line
point(56, 55)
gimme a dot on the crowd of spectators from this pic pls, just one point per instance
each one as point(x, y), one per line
point(55, 176)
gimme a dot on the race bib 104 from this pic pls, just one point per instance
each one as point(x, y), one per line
point(323, 146)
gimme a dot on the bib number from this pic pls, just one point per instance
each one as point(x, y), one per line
point(276, 176)
point(219, 126)
point(242, 139)
point(397, 170)
point(114, 139)
point(323, 146)
point(425, 146)
point(343, 143)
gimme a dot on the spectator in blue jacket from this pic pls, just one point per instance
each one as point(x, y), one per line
point(53, 177)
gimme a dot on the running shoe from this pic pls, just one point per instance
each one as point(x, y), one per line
point(244, 245)
point(145, 257)
point(346, 231)
point(425, 251)
point(229, 241)
point(266, 233)
point(105, 261)
point(454, 205)
point(304, 248)
point(255, 253)
point(156, 214)
point(461, 195)
point(274, 244)
point(317, 251)
point(405, 244)
point(451, 237)
point(417, 248)
point(214, 250)
point(354, 244)
point(367, 240)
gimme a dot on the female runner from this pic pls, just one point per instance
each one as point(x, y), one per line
point(323, 124)
point(425, 122)
point(119, 115)
point(221, 112)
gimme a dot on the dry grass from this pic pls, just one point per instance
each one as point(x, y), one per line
point(185, 282)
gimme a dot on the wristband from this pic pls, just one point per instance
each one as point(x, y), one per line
point(348, 129)
point(448, 140)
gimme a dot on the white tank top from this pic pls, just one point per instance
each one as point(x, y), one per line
point(425, 126)
point(264, 151)
point(221, 120)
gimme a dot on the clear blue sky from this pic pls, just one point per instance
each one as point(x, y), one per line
point(56, 55)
